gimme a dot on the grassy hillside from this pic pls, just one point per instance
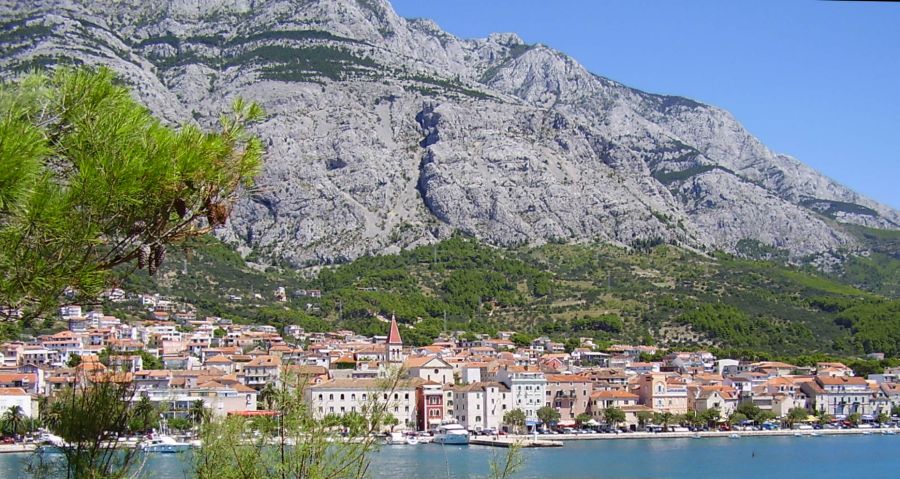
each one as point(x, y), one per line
point(663, 295)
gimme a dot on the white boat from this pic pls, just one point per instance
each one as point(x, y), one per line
point(164, 444)
point(412, 440)
point(51, 443)
point(451, 433)
point(395, 438)
point(734, 436)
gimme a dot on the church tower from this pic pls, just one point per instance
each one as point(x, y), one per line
point(394, 345)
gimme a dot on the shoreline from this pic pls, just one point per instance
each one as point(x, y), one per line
point(707, 434)
point(504, 441)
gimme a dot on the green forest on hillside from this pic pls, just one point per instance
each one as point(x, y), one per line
point(662, 295)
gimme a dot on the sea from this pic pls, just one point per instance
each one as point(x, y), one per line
point(814, 457)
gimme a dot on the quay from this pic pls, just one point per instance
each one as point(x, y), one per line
point(507, 442)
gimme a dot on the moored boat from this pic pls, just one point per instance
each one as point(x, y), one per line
point(164, 444)
point(451, 433)
point(394, 438)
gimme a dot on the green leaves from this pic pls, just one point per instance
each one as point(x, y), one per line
point(89, 178)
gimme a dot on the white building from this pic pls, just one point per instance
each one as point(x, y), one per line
point(10, 397)
point(528, 387)
point(219, 399)
point(481, 405)
point(343, 396)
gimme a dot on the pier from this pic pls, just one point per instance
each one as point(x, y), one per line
point(507, 442)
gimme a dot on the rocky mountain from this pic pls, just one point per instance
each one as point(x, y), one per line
point(384, 133)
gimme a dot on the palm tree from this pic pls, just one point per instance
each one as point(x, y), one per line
point(267, 396)
point(13, 418)
point(144, 413)
point(665, 419)
point(198, 412)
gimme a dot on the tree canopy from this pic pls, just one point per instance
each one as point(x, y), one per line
point(90, 180)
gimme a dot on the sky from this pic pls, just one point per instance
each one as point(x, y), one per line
point(817, 80)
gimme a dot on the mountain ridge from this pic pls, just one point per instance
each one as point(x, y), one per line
point(386, 133)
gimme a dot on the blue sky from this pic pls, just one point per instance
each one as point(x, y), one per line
point(817, 80)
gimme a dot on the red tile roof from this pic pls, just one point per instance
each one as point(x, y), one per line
point(394, 336)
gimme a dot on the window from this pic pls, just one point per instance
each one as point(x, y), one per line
point(353, 397)
point(331, 397)
point(342, 397)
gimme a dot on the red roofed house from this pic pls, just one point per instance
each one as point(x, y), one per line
point(569, 394)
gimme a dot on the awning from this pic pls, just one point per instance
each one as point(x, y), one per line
point(565, 423)
point(434, 421)
point(530, 422)
point(592, 422)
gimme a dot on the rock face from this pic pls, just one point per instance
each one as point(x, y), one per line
point(384, 133)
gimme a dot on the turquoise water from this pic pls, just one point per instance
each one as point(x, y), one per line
point(822, 457)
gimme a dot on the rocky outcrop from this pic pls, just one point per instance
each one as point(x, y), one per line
point(384, 133)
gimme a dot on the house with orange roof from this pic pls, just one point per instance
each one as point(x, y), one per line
point(262, 370)
point(774, 368)
point(220, 362)
point(480, 405)
point(429, 368)
point(28, 382)
point(623, 400)
point(605, 379)
point(721, 398)
point(344, 396)
point(569, 394)
point(663, 393)
point(839, 395)
point(833, 369)
point(219, 399)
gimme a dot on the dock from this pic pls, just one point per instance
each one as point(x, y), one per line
point(507, 442)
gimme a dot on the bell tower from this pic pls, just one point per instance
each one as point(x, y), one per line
point(394, 345)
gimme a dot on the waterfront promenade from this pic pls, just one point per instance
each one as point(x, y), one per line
point(705, 434)
point(555, 440)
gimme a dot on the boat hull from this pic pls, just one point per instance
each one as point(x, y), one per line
point(166, 448)
point(452, 439)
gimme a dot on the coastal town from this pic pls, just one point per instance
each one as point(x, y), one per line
point(488, 385)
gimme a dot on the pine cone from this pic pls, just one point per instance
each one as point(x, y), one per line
point(137, 228)
point(151, 268)
point(159, 255)
point(180, 208)
point(216, 214)
point(143, 256)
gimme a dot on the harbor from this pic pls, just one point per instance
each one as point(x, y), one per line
point(831, 456)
